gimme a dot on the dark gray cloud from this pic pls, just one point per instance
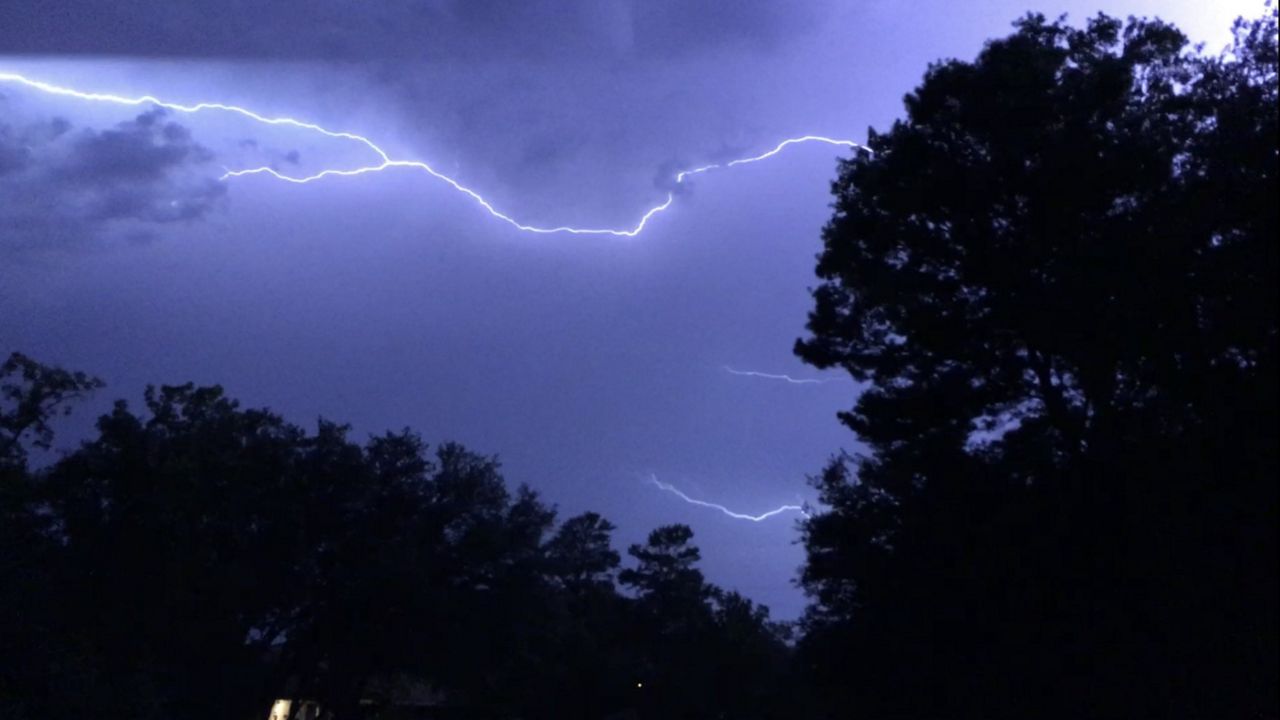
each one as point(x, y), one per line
point(61, 187)
point(342, 30)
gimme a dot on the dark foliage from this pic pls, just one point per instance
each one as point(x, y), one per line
point(1057, 279)
point(199, 560)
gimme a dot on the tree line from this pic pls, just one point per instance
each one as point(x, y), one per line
point(199, 560)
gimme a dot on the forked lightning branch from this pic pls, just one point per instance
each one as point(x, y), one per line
point(382, 161)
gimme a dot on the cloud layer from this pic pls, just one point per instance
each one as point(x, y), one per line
point(60, 186)
point(342, 30)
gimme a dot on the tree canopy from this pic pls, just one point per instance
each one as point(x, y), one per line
point(1056, 277)
point(199, 559)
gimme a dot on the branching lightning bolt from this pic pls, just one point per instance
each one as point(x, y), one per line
point(772, 376)
point(714, 506)
point(386, 162)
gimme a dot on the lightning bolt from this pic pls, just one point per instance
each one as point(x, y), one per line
point(714, 506)
point(772, 376)
point(386, 162)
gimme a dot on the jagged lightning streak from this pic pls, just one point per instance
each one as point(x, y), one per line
point(51, 89)
point(386, 162)
point(714, 506)
point(772, 376)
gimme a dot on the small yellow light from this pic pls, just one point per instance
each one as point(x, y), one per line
point(639, 685)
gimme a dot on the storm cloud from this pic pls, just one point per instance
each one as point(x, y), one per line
point(61, 186)
point(431, 29)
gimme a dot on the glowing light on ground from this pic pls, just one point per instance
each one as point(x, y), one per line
point(386, 162)
point(716, 506)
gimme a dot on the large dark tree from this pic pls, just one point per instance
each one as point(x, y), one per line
point(1057, 279)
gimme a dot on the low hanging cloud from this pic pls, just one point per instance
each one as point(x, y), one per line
point(62, 187)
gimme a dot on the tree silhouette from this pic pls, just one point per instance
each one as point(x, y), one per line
point(665, 571)
point(41, 664)
point(580, 555)
point(32, 395)
point(198, 559)
point(1057, 279)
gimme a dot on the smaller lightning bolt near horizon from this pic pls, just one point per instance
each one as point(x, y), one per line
point(386, 162)
point(716, 506)
point(773, 376)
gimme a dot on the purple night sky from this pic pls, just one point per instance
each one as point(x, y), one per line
point(588, 364)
